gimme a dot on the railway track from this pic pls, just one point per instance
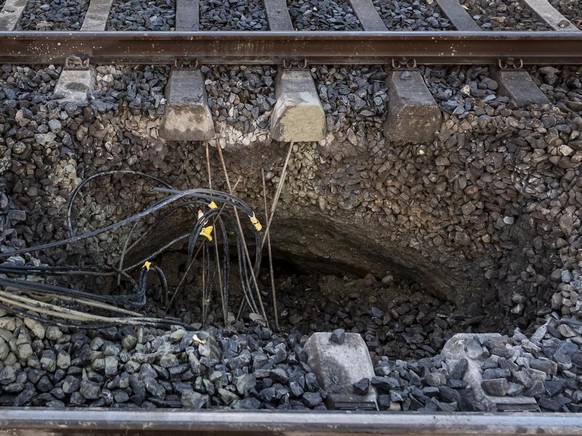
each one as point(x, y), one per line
point(187, 40)
point(99, 42)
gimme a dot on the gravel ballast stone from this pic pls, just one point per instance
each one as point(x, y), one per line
point(412, 15)
point(248, 15)
point(154, 15)
point(329, 15)
point(500, 15)
point(54, 15)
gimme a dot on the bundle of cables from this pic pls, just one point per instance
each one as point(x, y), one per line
point(30, 289)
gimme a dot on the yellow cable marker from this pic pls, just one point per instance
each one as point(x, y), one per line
point(147, 265)
point(212, 205)
point(255, 222)
point(198, 340)
point(207, 232)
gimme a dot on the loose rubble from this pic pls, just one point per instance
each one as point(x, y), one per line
point(154, 15)
point(499, 15)
point(55, 15)
point(233, 15)
point(329, 15)
point(496, 197)
point(412, 15)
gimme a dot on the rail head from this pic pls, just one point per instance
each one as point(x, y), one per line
point(51, 421)
point(452, 48)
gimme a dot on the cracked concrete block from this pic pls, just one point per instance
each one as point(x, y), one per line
point(519, 86)
point(74, 86)
point(298, 115)
point(413, 114)
point(339, 366)
point(187, 116)
point(466, 346)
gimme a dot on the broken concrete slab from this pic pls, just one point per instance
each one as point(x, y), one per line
point(465, 346)
point(519, 86)
point(413, 114)
point(298, 114)
point(74, 86)
point(187, 116)
point(338, 366)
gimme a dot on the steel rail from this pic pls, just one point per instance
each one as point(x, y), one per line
point(152, 422)
point(541, 48)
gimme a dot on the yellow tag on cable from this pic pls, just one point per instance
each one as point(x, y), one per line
point(255, 222)
point(147, 265)
point(198, 340)
point(212, 205)
point(207, 232)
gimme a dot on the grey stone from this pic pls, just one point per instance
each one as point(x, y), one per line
point(362, 387)
point(459, 369)
point(25, 352)
point(312, 399)
point(111, 364)
point(385, 383)
point(7, 375)
point(496, 373)
point(154, 388)
point(53, 333)
point(129, 342)
point(227, 396)
point(338, 336)
point(35, 327)
point(194, 400)
point(279, 375)
point(536, 389)
point(545, 365)
point(90, 390)
point(120, 396)
point(245, 383)
point(70, 384)
point(168, 361)
point(436, 379)
point(497, 387)
point(473, 349)
point(25, 397)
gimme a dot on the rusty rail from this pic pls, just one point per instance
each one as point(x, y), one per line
point(156, 422)
point(541, 48)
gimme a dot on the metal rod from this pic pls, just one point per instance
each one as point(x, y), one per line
point(52, 421)
point(274, 47)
